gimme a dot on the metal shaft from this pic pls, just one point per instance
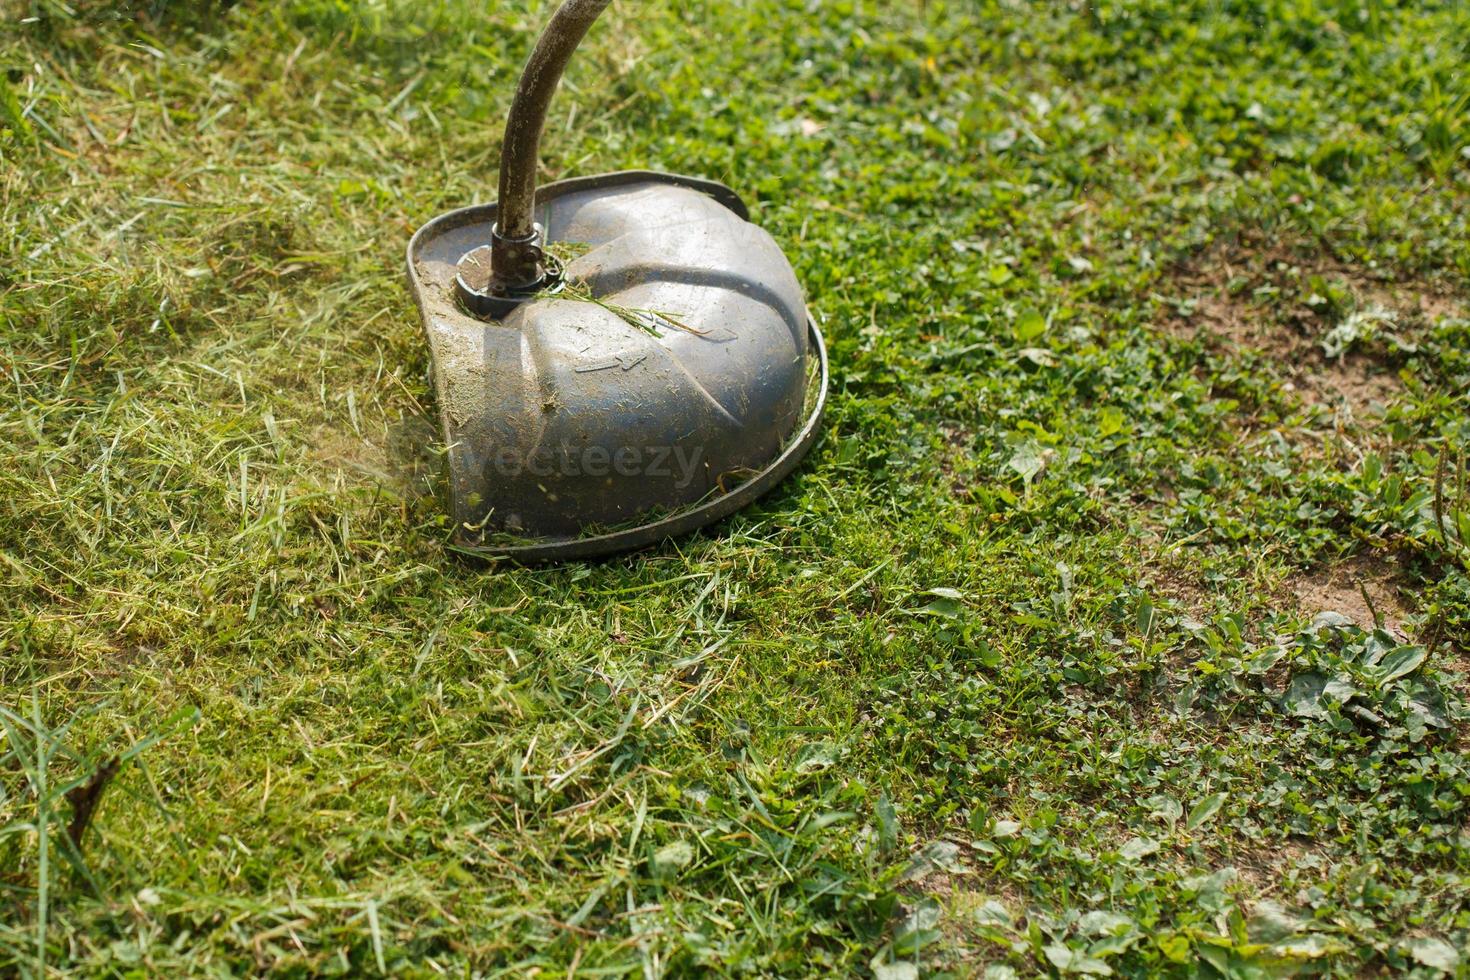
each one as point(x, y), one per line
point(515, 251)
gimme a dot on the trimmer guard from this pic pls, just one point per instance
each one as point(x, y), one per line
point(664, 384)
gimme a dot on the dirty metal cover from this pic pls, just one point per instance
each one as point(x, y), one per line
point(671, 369)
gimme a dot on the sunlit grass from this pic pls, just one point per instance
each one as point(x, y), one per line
point(1017, 672)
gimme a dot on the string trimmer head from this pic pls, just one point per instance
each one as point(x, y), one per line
point(617, 359)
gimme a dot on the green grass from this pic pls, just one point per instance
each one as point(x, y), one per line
point(1019, 674)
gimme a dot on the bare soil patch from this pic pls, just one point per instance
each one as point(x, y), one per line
point(1264, 868)
point(1270, 299)
point(1177, 581)
point(1358, 589)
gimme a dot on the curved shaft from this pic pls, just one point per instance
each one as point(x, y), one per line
point(516, 255)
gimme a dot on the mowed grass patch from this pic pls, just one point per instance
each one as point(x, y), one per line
point(1118, 623)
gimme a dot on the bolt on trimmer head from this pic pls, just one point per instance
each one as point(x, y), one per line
point(618, 359)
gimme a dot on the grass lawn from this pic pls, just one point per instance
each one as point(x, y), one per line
point(1120, 622)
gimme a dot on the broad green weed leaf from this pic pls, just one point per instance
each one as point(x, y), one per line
point(1069, 960)
point(1399, 662)
point(1029, 326)
point(816, 756)
point(1270, 923)
point(1139, 848)
point(900, 970)
point(1028, 460)
point(1435, 954)
point(1165, 808)
point(1205, 810)
point(1174, 946)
